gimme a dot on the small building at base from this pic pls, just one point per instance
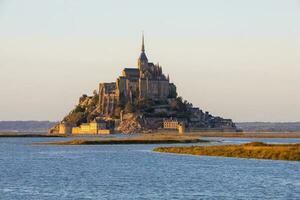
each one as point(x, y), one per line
point(97, 126)
point(65, 128)
point(174, 125)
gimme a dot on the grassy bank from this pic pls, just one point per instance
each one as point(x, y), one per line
point(137, 140)
point(256, 150)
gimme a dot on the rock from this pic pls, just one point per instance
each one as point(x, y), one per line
point(132, 123)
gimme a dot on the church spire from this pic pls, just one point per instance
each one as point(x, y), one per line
point(143, 43)
point(143, 60)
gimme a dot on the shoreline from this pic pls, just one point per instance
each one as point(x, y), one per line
point(136, 140)
point(246, 134)
point(164, 133)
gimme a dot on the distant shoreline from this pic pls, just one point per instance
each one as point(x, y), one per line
point(31, 135)
point(170, 133)
point(247, 134)
point(43, 126)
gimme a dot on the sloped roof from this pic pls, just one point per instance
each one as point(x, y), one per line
point(135, 72)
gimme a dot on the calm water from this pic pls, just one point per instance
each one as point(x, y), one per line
point(134, 172)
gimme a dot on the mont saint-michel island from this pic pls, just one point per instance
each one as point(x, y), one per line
point(141, 100)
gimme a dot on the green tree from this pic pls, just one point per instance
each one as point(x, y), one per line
point(129, 108)
point(178, 105)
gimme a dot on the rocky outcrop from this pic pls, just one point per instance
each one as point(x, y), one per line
point(54, 129)
point(138, 123)
point(132, 123)
point(86, 110)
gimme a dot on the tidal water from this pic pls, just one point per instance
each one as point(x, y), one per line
point(30, 172)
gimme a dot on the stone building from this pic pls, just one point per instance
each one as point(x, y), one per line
point(65, 127)
point(170, 124)
point(97, 126)
point(174, 124)
point(145, 81)
point(108, 98)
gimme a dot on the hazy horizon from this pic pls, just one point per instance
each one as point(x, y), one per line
point(237, 60)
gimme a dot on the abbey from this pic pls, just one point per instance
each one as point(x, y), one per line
point(145, 82)
point(142, 99)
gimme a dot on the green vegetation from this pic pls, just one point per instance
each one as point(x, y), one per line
point(144, 104)
point(256, 150)
point(139, 140)
point(178, 105)
point(85, 111)
point(129, 108)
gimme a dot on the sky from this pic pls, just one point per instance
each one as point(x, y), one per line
point(236, 59)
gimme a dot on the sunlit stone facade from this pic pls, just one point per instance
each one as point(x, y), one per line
point(145, 81)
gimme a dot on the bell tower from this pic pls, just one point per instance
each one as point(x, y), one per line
point(143, 60)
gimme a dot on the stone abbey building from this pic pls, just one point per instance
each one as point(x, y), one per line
point(146, 81)
point(141, 99)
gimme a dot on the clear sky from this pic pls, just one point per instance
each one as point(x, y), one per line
point(237, 59)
